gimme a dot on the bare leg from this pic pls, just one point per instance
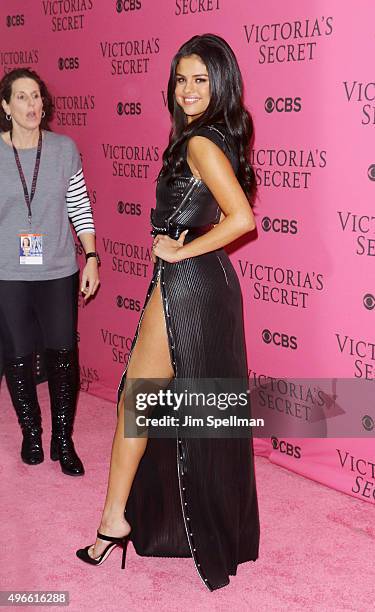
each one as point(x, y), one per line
point(150, 359)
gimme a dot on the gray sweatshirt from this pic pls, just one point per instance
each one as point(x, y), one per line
point(50, 230)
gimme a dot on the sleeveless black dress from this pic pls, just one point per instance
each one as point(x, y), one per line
point(197, 497)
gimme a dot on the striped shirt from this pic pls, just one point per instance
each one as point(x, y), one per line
point(78, 203)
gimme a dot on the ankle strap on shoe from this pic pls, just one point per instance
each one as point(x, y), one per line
point(109, 538)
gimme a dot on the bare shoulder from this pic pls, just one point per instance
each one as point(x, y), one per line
point(203, 152)
point(201, 145)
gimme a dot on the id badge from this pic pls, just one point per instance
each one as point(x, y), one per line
point(31, 249)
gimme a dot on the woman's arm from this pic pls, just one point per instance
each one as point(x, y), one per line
point(80, 213)
point(216, 171)
point(90, 273)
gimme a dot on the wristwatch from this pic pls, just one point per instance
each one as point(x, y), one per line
point(93, 254)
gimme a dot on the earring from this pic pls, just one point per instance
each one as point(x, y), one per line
point(8, 117)
point(43, 114)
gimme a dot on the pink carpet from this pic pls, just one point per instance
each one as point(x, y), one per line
point(317, 545)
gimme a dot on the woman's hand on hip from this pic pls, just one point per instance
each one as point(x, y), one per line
point(168, 249)
point(90, 278)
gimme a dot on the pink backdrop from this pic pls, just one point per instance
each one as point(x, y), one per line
point(308, 291)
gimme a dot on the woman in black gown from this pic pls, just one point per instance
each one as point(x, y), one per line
point(189, 496)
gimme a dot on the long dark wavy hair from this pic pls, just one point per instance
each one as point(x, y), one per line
point(6, 92)
point(226, 106)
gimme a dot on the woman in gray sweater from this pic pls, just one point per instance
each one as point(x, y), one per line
point(42, 186)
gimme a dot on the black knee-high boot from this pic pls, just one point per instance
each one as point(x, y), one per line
point(63, 383)
point(20, 377)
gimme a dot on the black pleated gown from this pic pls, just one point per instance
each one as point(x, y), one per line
point(197, 497)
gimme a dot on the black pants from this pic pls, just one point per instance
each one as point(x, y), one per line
point(36, 315)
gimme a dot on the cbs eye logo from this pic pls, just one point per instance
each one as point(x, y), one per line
point(285, 226)
point(129, 208)
point(129, 108)
point(369, 301)
point(368, 422)
point(128, 303)
point(283, 105)
point(128, 5)
point(68, 63)
point(279, 339)
point(286, 447)
point(371, 172)
point(15, 20)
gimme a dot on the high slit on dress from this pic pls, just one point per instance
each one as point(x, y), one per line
point(196, 497)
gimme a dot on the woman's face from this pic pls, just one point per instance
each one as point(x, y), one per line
point(192, 86)
point(25, 104)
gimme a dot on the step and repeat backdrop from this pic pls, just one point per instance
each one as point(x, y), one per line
point(308, 274)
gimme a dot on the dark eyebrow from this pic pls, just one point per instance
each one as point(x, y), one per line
point(194, 75)
point(22, 91)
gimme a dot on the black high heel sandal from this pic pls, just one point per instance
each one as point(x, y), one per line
point(83, 553)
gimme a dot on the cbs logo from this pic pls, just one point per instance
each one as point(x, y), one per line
point(286, 447)
point(15, 20)
point(79, 248)
point(128, 303)
point(369, 301)
point(129, 208)
point(279, 339)
point(368, 422)
point(81, 301)
point(129, 108)
point(128, 5)
point(371, 172)
point(92, 195)
point(285, 226)
point(283, 105)
point(68, 63)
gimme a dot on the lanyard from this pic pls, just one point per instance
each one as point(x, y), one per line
point(28, 198)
